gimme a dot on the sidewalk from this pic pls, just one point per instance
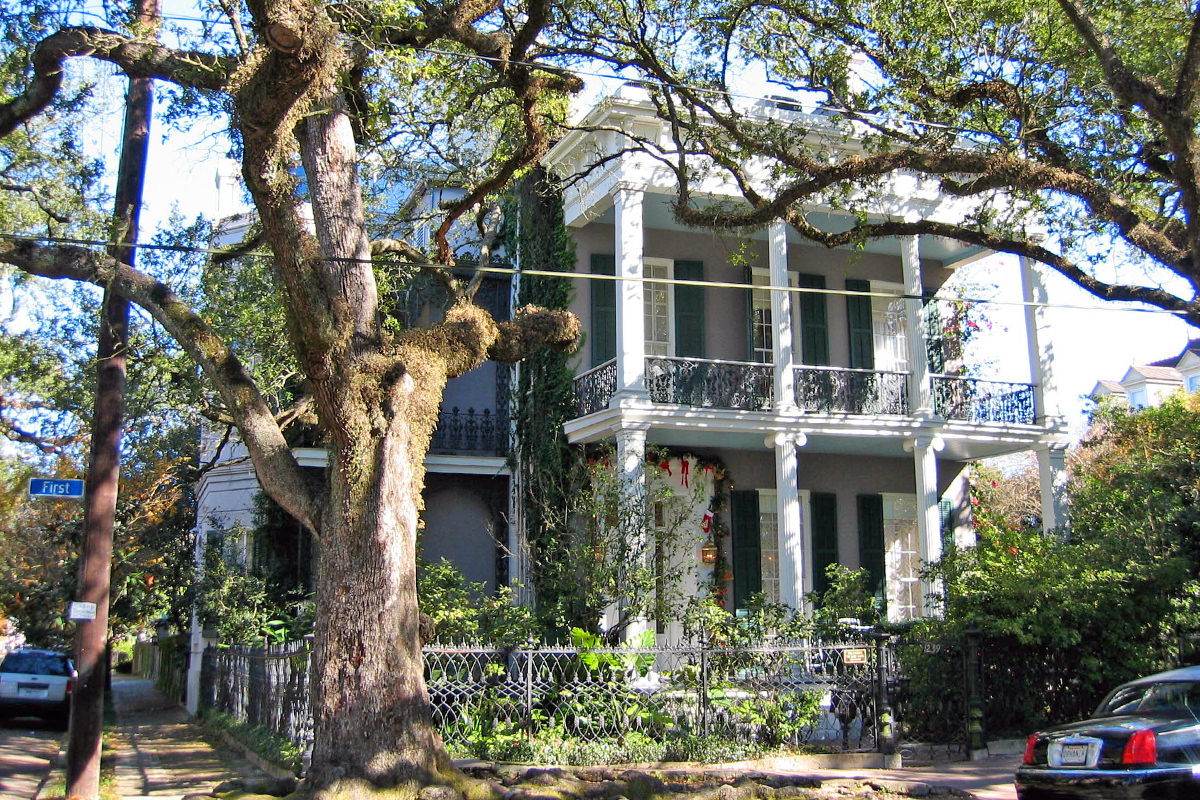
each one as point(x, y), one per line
point(163, 755)
point(160, 753)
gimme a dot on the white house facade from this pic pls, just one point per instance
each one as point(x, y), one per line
point(811, 373)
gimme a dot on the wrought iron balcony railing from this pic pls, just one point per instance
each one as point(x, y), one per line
point(851, 391)
point(700, 383)
point(594, 388)
point(470, 432)
point(974, 400)
point(748, 386)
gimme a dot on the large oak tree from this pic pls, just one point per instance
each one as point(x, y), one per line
point(307, 84)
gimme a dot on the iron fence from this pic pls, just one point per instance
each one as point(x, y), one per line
point(470, 432)
point(778, 694)
point(263, 686)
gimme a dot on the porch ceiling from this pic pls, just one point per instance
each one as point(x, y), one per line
point(657, 215)
point(832, 434)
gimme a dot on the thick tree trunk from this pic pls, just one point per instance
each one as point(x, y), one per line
point(371, 706)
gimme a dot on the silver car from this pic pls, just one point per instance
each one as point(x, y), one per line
point(36, 683)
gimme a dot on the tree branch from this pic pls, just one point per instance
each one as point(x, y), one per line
point(138, 59)
point(278, 471)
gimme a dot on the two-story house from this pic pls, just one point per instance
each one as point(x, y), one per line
point(829, 382)
point(819, 377)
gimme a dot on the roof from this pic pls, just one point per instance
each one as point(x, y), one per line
point(1112, 387)
point(1156, 373)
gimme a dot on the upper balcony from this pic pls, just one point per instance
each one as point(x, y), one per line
point(748, 386)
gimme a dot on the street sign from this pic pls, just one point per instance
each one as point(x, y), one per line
point(61, 488)
point(81, 612)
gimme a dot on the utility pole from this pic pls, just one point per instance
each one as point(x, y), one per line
point(100, 495)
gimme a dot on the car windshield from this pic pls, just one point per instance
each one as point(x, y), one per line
point(1166, 697)
point(36, 664)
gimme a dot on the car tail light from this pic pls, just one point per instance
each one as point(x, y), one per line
point(1030, 744)
point(70, 686)
point(1142, 748)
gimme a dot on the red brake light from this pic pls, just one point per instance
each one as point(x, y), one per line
point(1142, 748)
point(1030, 744)
point(70, 685)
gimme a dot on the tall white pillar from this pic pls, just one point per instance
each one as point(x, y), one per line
point(631, 322)
point(920, 394)
point(631, 461)
point(788, 518)
point(783, 338)
point(1041, 358)
point(191, 698)
point(929, 519)
point(1052, 474)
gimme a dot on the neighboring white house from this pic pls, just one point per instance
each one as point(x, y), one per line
point(1148, 385)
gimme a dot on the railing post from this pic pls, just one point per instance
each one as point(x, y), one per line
point(976, 746)
point(529, 647)
point(703, 688)
point(885, 725)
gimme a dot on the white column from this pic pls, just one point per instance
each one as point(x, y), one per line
point(783, 351)
point(788, 518)
point(929, 519)
point(1041, 371)
point(191, 698)
point(631, 461)
point(920, 395)
point(631, 321)
point(1052, 472)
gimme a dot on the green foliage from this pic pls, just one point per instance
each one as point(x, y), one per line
point(1117, 599)
point(549, 470)
point(275, 749)
point(708, 623)
point(466, 612)
point(847, 598)
point(239, 604)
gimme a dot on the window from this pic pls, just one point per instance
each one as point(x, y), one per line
point(1137, 398)
point(762, 324)
point(1193, 383)
point(768, 530)
point(658, 305)
point(889, 329)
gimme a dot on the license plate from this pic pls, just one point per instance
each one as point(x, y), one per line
point(1074, 755)
point(32, 694)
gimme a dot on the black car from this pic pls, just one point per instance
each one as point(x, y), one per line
point(36, 683)
point(1143, 741)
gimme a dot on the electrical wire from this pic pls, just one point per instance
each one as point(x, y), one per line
point(190, 249)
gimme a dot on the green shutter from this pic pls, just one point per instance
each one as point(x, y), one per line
point(862, 336)
point(870, 546)
point(747, 545)
point(946, 518)
point(604, 309)
point(748, 279)
point(824, 537)
point(689, 310)
point(935, 340)
point(814, 322)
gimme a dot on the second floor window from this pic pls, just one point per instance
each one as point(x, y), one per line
point(659, 308)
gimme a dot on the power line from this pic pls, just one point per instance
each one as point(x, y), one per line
point(190, 249)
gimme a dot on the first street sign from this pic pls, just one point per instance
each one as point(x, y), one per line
point(61, 488)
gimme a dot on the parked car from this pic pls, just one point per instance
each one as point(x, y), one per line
point(36, 683)
point(1143, 741)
